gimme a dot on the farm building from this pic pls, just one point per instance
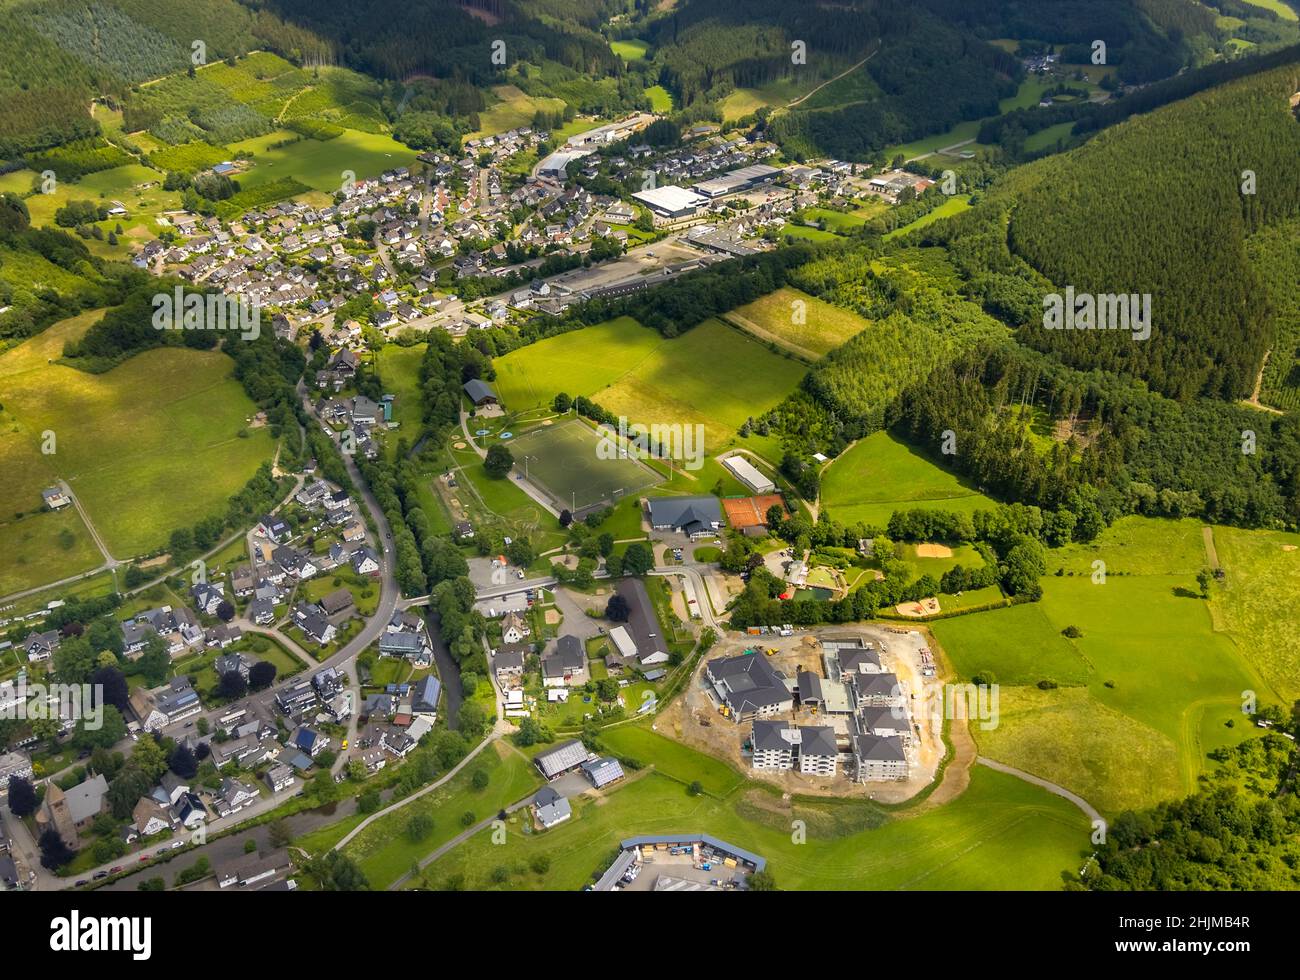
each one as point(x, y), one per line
point(602, 772)
point(565, 756)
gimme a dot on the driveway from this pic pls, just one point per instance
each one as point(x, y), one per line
point(574, 610)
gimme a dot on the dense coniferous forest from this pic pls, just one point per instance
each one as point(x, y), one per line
point(1145, 453)
point(1275, 258)
point(398, 39)
point(56, 57)
point(932, 77)
point(1100, 219)
point(1147, 40)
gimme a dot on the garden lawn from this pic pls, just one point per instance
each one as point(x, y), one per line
point(399, 372)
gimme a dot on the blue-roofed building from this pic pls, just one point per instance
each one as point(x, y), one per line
point(602, 772)
point(308, 741)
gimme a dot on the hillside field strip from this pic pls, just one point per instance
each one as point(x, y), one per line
point(130, 442)
point(1124, 713)
point(1000, 833)
point(322, 165)
point(802, 324)
point(881, 474)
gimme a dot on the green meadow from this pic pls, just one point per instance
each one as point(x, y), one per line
point(881, 474)
point(631, 49)
point(511, 108)
point(130, 442)
point(579, 362)
point(661, 100)
point(385, 850)
point(321, 164)
point(1253, 606)
point(501, 501)
point(399, 371)
point(962, 554)
point(1128, 722)
point(138, 188)
point(1000, 833)
point(773, 317)
point(44, 547)
point(633, 371)
point(954, 205)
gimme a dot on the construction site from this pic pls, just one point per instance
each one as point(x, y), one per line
point(808, 696)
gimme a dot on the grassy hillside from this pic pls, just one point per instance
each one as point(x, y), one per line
point(880, 475)
point(1125, 713)
point(1001, 833)
point(159, 442)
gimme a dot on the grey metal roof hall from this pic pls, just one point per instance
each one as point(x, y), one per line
point(560, 759)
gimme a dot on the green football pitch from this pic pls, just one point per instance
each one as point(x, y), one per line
point(565, 460)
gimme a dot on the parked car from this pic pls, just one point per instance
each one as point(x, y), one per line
point(82, 881)
point(177, 843)
point(115, 870)
point(99, 875)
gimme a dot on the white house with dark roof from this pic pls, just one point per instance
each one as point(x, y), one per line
point(550, 808)
point(749, 686)
point(878, 759)
point(774, 744)
point(566, 665)
point(878, 690)
point(818, 753)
